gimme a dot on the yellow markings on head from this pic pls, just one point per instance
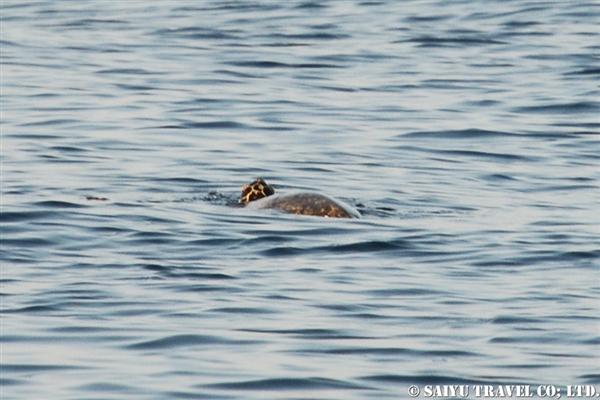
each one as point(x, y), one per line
point(256, 190)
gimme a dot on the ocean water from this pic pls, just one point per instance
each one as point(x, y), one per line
point(465, 132)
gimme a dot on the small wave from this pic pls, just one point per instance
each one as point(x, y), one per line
point(178, 341)
point(361, 247)
point(69, 149)
point(58, 204)
point(311, 36)
point(90, 22)
point(51, 122)
point(433, 41)
point(314, 334)
point(424, 380)
point(523, 339)
point(108, 387)
point(28, 242)
point(387, 293)
point(590, 378)
point(311, 5)
point(585, 71)
point(482, 155)
point(509, 320)
point(17, 216)
point(289, 384)
point(274, 64)
point(579, 255)
point(151, 238)
point(42, 309)
point(243, 310)
point(35, 368)
point(498, 177)
point(215, 125)
point(198, 33)
point(126, 71)
point(188, 275)
point(397, 351)
point(4, 382)
point(136, 88)
point(459, 134)
point(566, 108)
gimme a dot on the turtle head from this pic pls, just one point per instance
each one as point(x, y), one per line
point(256, 190)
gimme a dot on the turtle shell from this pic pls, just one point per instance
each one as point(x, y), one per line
point(258, 194)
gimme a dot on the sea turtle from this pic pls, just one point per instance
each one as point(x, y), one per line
point(259, 194)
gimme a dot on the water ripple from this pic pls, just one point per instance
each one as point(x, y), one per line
point(466, 133)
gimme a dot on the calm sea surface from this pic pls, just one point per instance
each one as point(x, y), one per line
point(467, 133)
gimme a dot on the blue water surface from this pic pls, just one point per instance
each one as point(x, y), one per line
point(465, 132)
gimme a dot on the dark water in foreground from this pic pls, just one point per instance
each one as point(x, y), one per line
point(466, 133)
